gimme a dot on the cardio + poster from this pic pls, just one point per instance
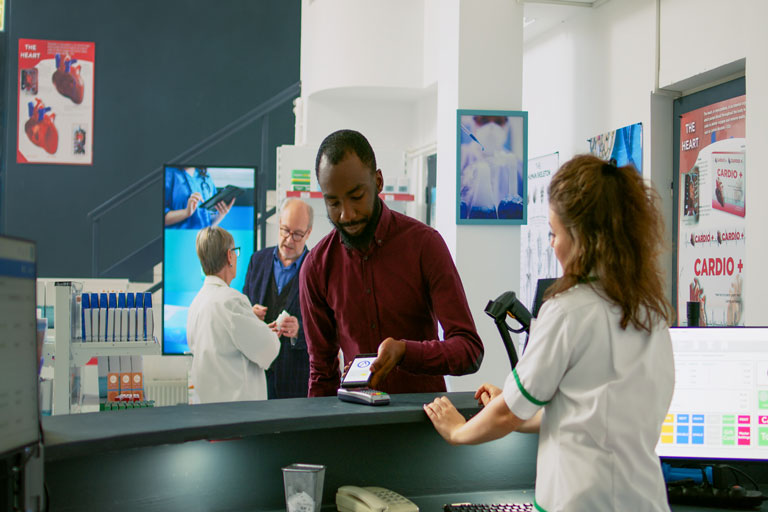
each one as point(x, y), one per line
point(711, 212)
point(55, 110)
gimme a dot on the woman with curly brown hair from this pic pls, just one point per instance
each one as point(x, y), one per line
point(597, 376)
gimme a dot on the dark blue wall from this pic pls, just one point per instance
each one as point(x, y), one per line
point(167, 75)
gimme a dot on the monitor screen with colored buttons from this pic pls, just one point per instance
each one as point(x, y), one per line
point(720, 405)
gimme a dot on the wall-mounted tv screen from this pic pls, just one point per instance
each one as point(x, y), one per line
point(196, 197)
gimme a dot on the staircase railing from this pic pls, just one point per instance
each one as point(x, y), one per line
point(261, 112)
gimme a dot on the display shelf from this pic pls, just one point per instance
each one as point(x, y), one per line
point(386, 196)
point(122, 348)
point(67, 352)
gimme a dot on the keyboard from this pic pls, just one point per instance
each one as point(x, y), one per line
point(478, 507)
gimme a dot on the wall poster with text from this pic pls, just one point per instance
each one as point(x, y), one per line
point(55, 110)
point(711, 212)
point(537, 258)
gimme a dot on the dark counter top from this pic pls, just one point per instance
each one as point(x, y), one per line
point(71, 435)
point(165, 452)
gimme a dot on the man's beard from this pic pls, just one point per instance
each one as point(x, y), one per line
point(363, 240)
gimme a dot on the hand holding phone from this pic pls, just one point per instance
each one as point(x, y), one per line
point(391, 352)
point(354, 384)
point(359, 373)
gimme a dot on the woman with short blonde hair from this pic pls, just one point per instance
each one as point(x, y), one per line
point(213, 245)
point(230, 345)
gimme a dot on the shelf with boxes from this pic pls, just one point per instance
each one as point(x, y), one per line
point(96, 326)
point(386, 196)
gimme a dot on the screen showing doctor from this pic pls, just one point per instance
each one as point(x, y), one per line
point(491, 167)
point(185, 189)
point(182, 274)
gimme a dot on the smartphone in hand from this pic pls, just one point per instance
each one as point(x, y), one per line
point(359, 373)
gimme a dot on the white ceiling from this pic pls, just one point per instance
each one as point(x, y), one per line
point(547, 14)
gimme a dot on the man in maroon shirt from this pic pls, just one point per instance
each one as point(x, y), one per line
point(379, 283)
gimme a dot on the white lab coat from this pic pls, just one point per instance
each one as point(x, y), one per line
point(605, 393)
point(231, 347)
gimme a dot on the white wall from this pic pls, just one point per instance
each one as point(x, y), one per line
point(593, 73)
point(361, 43)
point(363, 68)
point(757, 133)
point(596, 72)
point(387, 122)
point(590, 75)
point(487, 257)
point(700, 35)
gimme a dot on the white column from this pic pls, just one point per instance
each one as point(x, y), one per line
point(480, 67)
point(756, 282)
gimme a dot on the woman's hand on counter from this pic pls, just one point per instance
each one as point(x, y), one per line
point(485, 393)
point(445, 417)
point(493, 422)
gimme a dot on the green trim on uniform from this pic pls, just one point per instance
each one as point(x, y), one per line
point(537, 506)
point(524, 392)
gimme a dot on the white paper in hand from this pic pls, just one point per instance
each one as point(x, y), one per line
point(280, 318)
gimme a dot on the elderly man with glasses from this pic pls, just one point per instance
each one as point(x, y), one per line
point(272, 285)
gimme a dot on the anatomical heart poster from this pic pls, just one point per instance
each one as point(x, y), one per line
point(712, 195)
point(55, 108)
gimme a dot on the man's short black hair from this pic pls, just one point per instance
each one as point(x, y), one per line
point(336, 146)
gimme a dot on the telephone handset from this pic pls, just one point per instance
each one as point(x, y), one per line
point(371, 499)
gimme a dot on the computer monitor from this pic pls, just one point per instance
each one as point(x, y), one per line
point(19, 409)
point(182, 274)
point(720, 405)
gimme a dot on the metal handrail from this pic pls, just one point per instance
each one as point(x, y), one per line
point(150, 179)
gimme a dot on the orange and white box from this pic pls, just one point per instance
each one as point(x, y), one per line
point(113, 386)
point(125, 382)
point(137, 381)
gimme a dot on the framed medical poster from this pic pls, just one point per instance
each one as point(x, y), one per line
point(55, 102)
point(491, 162)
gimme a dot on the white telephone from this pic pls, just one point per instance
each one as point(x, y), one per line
point(371, 499)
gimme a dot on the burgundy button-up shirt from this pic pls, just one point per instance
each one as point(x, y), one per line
point(401, 287)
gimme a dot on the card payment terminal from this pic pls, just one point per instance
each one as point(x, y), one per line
point(354, 385)
point(365, 396)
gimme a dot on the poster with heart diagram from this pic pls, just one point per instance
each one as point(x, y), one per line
point(55, 110)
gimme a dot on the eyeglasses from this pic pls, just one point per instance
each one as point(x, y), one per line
point(236, 250)
point(295, 235)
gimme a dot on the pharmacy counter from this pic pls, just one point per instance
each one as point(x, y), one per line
point(228, 456)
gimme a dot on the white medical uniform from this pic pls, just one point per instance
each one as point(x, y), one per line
point(231, 347)
point(605, 393)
